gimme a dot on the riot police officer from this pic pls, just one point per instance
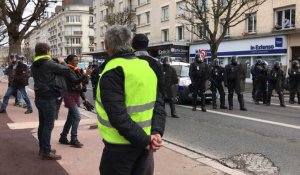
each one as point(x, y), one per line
point(234, 79)
point(275, 81)
point(199, 74)
point(260, 71)
point(216, 78)
point(294, 76)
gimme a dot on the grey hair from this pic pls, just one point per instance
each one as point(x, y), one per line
point(118, 39)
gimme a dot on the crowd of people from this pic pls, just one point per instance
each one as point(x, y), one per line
point(130, 88)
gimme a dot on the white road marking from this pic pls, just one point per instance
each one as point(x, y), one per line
point(249, 118)
point(276, 104)
point(26, 125)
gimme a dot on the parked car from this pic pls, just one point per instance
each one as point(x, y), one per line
point(185, 84)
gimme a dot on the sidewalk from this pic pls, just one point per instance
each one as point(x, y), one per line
point(19, 147)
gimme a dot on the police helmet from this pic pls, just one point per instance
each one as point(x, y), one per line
point(295, 64)
point(276, 65)
point(166, 59)
point(259, 61)
point(234, 60)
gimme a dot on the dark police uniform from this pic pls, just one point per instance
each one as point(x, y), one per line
point(294, 78)
point(261, 72)
point(275, 81)
point(217, 77)
point(234, 79)
point(199, 74)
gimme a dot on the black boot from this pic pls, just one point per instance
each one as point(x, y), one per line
point(241, 101)
point(203, 103)
point(222, 101)
point(214, 100)
point(230, 101)
point(194, 108)
point(281, 99)
point(298, 96)
point(75, 143)
point(64, 140)
point(292, 98)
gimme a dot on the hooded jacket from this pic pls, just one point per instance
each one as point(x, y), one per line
point(48, 76)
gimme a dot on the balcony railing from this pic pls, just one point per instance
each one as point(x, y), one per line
point(73, 33)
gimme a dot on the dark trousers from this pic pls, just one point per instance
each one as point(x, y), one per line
point(214, 88)
point(279, 91)
point(253, 88)
point(199, 88)
point(234, 86)
point(133, 162)
point(47, 112)
point(261, 91)
point(294, 88)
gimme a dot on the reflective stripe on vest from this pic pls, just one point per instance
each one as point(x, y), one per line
point(140, 84)
point(130, 110)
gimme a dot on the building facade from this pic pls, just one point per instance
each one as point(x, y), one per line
point(272, 34)
point(69, 31)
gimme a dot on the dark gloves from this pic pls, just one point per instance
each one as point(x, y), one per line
point(88, 106)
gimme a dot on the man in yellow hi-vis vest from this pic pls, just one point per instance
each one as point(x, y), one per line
point(125, 102)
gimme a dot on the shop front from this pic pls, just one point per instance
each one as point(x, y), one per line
point(270, 49)
point(176, 52)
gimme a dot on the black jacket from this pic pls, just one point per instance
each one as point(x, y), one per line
point(217, 74)
point(19, 77)
point(74, 80)
point(48, 75)
point(199, 72)
point(171, 79)
point(113, 100)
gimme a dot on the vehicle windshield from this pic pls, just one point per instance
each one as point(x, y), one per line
point(182, 70)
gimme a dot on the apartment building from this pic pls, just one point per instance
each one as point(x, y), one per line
point(69, 31)
point(159, 20)
point(271, 34)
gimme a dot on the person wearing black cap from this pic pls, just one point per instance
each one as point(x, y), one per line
point(199, 74)
point(234, 79)
point(18, 78)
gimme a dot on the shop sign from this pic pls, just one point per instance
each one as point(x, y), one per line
point(262, 47)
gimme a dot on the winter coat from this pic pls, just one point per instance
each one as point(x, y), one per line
point(171, 81)
point(48, 76)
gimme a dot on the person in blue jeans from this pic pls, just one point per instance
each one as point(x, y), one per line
point(74, 82)
point(18, 78)
point(48, 86)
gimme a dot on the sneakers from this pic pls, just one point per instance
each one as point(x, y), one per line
point(76, 143)
point(29, 111)
point(2, 111)
point(51, 156)
point(64, 140)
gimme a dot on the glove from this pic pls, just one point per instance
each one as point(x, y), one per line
point(88, 106)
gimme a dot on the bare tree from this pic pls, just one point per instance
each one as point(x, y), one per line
point(213, 15)
point(121, 17)
point(18, 22)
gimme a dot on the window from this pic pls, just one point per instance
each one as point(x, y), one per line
point(223, 27)
point(180, 8)
point(91, 19)
point(224, 3)
point(141, 2)
point(121, 6)
point(147, 35)
point(72, 19)
point(165, 35)
point(101, 16)
point(138, 19)
point(202, 32)
point(180, 33)
point(148, 17)
point(165, 13)
point(285, 18)
point(251, 23)
point(202, 4)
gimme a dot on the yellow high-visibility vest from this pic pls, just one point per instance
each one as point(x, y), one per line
point(140, 85)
